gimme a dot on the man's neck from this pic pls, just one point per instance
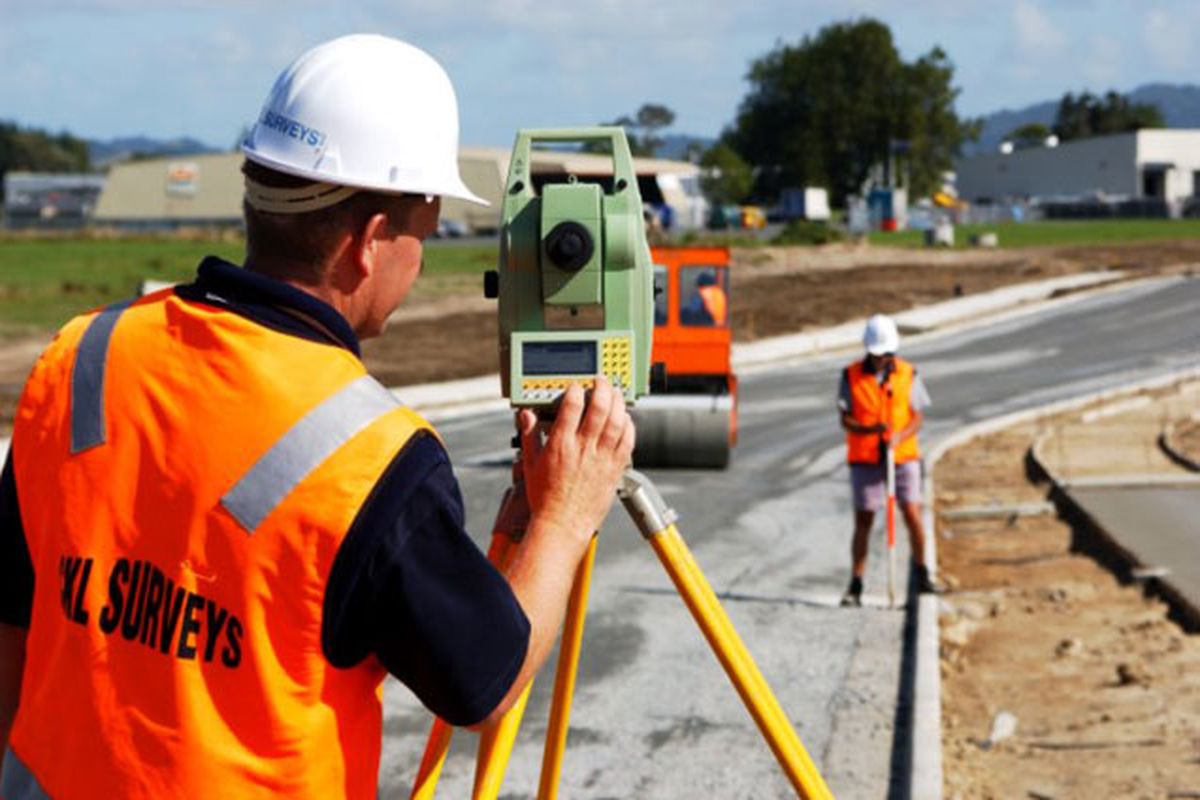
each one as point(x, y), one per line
point(324, 291)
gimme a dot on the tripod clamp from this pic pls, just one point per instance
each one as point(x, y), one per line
point(645, 504)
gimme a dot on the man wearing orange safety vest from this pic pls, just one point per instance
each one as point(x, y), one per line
point(218, 533)
point(881, 400)
point(708, 306)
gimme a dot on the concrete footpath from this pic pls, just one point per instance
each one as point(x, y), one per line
point(1112, 468)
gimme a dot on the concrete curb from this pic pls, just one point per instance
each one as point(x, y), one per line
point(912, 321)
point(926, 780)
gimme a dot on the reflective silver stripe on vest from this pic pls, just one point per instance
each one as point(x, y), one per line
point(304, 447)
point(17, 782)
point(87, 379)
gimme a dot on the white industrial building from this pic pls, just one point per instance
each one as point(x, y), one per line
point(1151, 165)
point(207, 189)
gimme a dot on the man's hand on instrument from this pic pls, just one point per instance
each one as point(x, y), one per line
point(571, 478)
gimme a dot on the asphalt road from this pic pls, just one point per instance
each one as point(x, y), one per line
point(654, 716)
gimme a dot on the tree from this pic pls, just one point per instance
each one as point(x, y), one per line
point(1034, 132)
point(38, 151)
point(727, 178)
point(1088, 115)
point(643, 128)
point(835, 106)
point(927, 120)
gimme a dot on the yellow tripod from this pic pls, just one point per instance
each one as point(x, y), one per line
point(656, 521)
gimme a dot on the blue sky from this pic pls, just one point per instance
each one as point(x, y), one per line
point(201, 68)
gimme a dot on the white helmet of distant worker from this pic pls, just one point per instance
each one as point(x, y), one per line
point(363, 112)
point(880, 335)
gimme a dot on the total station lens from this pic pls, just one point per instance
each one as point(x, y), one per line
point(569, 246)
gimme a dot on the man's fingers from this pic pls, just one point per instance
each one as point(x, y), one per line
point(531, 439)
point(627, 443)
point(569, 411)
point(615, 426)
point(599, 410)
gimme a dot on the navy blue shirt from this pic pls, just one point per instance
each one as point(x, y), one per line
point(408, 586)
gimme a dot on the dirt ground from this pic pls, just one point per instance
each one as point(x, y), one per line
point(1059, 681)
point(447, 330)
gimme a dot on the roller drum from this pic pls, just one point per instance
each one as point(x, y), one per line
point(679, 430)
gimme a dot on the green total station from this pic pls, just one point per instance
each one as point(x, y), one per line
point(574, 279)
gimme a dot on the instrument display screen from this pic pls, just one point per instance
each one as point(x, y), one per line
point(559, 358)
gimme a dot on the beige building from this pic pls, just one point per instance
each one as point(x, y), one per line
point(207, 189)
point(169, 192)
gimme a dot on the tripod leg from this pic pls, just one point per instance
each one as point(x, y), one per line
point(438, 744)
point(564, 678)
point(431, 763)
point(495, 747)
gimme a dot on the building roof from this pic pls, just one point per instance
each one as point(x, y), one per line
point(208, 188)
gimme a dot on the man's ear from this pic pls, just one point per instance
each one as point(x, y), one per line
point(374, 232)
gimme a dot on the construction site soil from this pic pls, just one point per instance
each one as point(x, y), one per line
point(447, 330)
point(1059, 680)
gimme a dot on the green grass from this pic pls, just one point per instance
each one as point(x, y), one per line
point(44, 281)
point(1082, 232)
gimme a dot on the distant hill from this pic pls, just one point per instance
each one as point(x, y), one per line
point(125, 147)
point(1179, 103)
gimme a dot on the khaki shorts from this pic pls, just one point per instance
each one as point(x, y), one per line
point(868, 485)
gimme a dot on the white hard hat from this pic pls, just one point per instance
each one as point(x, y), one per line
point(880, 335)
point(363, 111)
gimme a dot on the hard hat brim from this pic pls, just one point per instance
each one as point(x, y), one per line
point(454, 187)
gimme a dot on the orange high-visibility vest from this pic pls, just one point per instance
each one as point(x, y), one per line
point(186, 478)
point(872, 405)
point(714, 303)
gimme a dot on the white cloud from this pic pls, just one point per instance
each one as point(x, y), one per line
point(1102, 61)
point(1036, 34)
point(1170, 39)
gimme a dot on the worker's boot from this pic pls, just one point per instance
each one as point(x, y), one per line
point(926, 584)
point(853, 595)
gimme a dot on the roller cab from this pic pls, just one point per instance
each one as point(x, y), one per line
point(690, 417)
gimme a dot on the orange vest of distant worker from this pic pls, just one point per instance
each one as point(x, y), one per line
point(186, 477)
point(714, 303)
point(872, 404)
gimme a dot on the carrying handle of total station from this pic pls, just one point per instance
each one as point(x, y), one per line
point(519, 172)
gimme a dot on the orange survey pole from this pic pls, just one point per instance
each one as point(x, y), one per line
point(656, 522)
point(891, 495)
point(564, 678)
